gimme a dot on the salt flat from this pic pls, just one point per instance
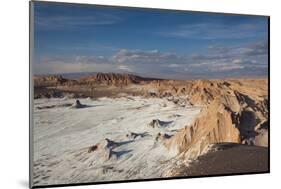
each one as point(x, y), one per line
point(63, 135)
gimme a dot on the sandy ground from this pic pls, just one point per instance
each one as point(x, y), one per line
point(63, 135)
point(228, 158)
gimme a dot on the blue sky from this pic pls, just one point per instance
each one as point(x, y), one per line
point(169, 44)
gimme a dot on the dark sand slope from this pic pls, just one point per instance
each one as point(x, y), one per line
point(229, 158)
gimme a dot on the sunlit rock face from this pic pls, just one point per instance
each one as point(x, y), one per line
point(234, 112)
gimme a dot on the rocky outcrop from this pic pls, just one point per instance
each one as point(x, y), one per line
point(233, 112)
point(132, 135)
point(77, 104)
point(114, 79)
point(101, 84)
point(106, 149)
point(214, 125)
point(156, 123)
point(52, 80)
point(162, 137)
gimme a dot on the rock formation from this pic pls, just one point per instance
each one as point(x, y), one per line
point(158, 123)
point(162, 137)
point(133, 135)
point(77, 105)
point(51, 80)
point(115, 79)
point(233, 112)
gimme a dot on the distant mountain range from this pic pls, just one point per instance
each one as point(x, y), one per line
point(75, 75)
point(105, 78)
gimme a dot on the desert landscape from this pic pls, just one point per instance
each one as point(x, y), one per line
point(129, 94)
point(110, 126)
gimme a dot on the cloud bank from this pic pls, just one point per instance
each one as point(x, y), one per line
point(219, 61)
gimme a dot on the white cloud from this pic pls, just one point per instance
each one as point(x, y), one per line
point(216, 31)
point(155, 62)
point(125, 68)
point(55, 64)
point(143, 56)
point(225, 67)
point(237, 61)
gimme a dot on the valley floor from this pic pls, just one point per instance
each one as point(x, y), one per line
point(63, 136)
point(228, 158)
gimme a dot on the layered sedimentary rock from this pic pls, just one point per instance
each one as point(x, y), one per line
point(98, 85)
point(233, 111)
point(53, 80)
point(115, 79)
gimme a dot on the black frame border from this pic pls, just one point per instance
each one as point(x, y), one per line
point(31, 36)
